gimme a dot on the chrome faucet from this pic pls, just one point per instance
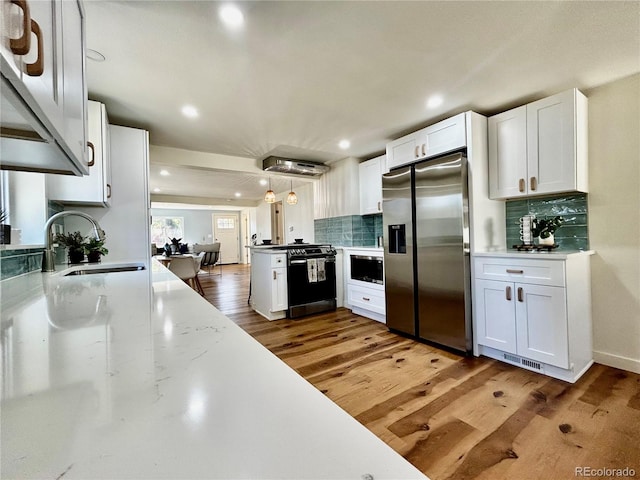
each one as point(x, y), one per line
point(48, 264)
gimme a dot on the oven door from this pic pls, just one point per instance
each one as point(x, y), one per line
point(307, 296)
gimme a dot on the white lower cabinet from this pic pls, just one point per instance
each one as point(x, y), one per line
point(537, 315)
point(269, 283)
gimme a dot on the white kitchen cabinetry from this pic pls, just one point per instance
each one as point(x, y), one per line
point(126, 222)
point(442, 137)
point(95, 188)
point(539, 148)
point(43, 86)
point(371, 186)
point(535, 313)
point(364, 298)
point(269, 283)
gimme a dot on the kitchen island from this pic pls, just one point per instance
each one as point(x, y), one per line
point(134, 375)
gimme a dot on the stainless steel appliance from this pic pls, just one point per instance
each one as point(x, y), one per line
point(311, 279)
point(367, 268)
point(426, 251)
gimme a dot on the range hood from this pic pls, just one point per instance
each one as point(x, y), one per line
point(293, 167)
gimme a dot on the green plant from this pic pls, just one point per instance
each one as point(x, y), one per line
point(545, 227)
point(73, 241)
point(95, 245)
point(175, 241)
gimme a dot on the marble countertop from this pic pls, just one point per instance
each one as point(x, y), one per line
point(553, 255)
point(134, 375)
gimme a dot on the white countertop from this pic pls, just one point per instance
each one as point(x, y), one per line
point(553, 255)
point(134, 375)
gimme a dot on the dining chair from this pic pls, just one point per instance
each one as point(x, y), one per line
point(186, 268)
point(209, 255)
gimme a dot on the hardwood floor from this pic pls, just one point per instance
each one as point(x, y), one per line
point(452, 417)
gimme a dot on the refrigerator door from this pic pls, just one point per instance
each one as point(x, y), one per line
point(442, 262)
point(398, 250)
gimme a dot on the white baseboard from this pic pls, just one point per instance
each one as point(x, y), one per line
point(616, 361)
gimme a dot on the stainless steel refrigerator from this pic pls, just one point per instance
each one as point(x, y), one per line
point(426, 251)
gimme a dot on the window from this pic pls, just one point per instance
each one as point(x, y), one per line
point(228, 223)
point(163, 229)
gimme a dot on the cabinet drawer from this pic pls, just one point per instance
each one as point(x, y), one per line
point(525, 270)
point(278, 260)
point(366, 298)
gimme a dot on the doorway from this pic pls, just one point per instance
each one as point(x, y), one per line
point(226, 231)
point(277, 223)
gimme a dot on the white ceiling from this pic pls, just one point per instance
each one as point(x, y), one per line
point(302, 75)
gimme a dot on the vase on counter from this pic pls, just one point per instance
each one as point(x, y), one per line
point(548, 241)
point(76, 256)
point(94, 257)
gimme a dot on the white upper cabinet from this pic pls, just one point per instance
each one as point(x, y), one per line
point(43, 86)
point(442, 137)
point(539, 148)
point(371, 185)
point(95, 188)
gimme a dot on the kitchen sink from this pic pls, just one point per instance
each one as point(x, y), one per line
point(106, 269)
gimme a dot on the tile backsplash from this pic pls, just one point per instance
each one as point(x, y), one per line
point(573, 208)
point(349, 231)
point(19, 261)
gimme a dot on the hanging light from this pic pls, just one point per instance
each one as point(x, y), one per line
point(292, 198)
point(270, 197)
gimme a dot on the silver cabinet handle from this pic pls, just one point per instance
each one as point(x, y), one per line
point(508, 293)
point(510, 270)
point(416, 152)
point(520, 295)
point(534, 184)
point(521, 185)
point(366, 299)
point(274, 275)
point(423, 150)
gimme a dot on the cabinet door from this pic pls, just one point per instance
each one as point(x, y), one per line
point(541, 319)
point(74, 85)
point(551, 144)
point(41, 67)
point(278, 289)
point(495, 314)
point(95, 188)
point(402, 151)
point(370, 187)
point(443, 137)
point(508, 154)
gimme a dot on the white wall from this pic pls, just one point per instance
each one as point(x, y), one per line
point(28, 207)
point(614, 221)
point(298, 218)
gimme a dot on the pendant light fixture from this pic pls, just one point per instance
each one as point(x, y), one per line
point(292, 198)
point(270, 197)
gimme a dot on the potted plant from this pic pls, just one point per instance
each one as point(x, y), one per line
point(175, 245)
point(75, 244)
point(545, 228)
point(95, 249)
point(5, 228)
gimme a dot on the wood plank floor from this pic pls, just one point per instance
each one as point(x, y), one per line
point(452, 417)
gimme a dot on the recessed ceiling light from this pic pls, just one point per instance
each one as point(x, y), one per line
point(263, 182)
point(434, 101)
point(231, 16)
point(95, 55)
point(164, 173)
point(238, 194)
point(157, 190)
point(190, 111)
point(344, 144)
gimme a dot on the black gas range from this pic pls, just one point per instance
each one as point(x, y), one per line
point(311, 279)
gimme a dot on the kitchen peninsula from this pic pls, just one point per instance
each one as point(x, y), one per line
point(134, 375)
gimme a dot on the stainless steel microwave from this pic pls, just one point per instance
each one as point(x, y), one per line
point(367, 268)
